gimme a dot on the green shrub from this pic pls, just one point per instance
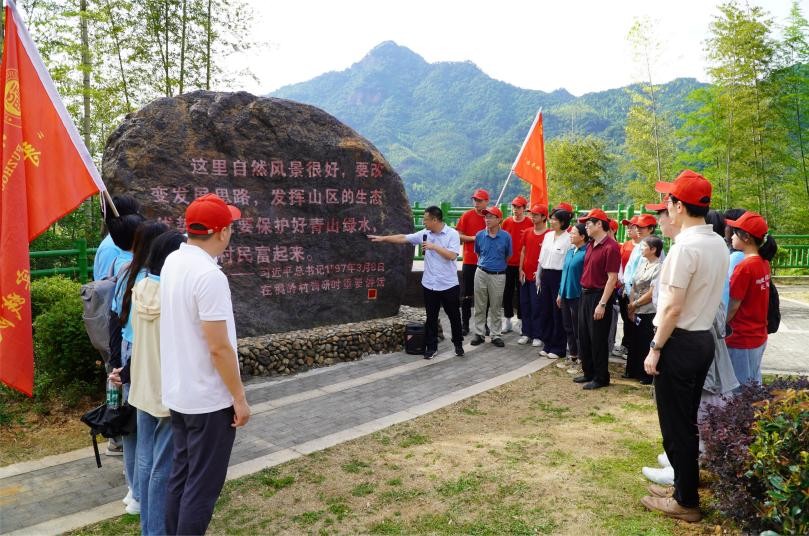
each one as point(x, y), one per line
point(48, 291)
point(64, 360)
point(780, 453)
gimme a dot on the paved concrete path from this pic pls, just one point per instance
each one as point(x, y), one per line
point(298, 415)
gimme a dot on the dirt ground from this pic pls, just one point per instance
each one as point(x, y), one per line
point(536, 456)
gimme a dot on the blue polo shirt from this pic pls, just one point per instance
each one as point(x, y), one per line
point(570, 285)
point(493, 252)
point(439, 273)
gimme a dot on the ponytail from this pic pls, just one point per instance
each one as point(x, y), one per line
point(768, 247)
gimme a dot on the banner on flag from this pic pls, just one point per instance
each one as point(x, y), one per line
point(530, 162)
point(47, 172)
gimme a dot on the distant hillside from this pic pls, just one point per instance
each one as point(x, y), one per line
point(447, 127)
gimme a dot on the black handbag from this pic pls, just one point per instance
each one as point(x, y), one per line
point(109, 422)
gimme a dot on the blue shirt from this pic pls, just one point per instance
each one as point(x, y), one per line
point(493, 252)
point(570, 285)
point(629, 270)
point(105, 255)
point(120, 270)
point(440, 273)
point(735, 258)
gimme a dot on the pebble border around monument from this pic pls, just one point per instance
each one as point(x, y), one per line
point(299, 351)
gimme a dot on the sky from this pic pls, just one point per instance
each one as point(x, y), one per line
point(579, 45)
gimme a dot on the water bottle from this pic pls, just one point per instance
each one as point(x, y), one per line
point(113, 395)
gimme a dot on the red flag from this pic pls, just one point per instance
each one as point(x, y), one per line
point(47, 172)
point(530, 163)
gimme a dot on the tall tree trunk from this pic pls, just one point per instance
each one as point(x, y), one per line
point(182, 47)
point(114, 33)
point(85, 69)
point(209, 38)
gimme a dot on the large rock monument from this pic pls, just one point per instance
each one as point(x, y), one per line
point(309, 188)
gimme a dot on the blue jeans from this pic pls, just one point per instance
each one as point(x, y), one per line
point(747, 363)
point(153, 470)
point(130, 441)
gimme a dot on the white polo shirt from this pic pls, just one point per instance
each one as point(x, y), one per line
point(192, 289)
point(554, 249)
point(439, 273)
point(698, 263)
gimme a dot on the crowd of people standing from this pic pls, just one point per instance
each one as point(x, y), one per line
point(694, 319)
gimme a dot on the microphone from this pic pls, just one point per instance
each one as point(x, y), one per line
point(423, 242)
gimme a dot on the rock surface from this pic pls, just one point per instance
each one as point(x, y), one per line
point(309, 188)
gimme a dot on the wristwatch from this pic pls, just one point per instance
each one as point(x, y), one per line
point(654, 346)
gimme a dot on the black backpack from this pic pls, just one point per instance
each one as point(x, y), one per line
point(774, 310)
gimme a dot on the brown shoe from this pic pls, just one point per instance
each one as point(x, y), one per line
point(661, 491)
point(669, 507)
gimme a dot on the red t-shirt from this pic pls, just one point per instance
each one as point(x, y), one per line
point(750, 284)
point(515, 229)
point(533, 245)
point(469, 224)
point(599, 260)
point(626, 251)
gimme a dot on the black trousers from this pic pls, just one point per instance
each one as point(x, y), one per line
point(642, 334)
point(202, 445)
point(433, 301)
point(511, 298)
point(468, 292)
point(594, 337)
point(629, 327)
point(552, 329)
point(570, 320)
point(683, 366)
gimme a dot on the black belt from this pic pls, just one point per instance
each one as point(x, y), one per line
point(591, 290)
point(490, 272)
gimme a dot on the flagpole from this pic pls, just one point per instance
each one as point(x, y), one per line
point(525, 141)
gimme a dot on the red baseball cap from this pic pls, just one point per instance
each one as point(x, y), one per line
point(480, 193)
point(657, 207)
point(519, 201)
point(493, 210)
point(633, 221)
point(211, 212)
point(645, 220)
point(751, 222)
point(613, 226)
point(595, 213)
point(539, 208)
point(689, 187)
point(565, 206)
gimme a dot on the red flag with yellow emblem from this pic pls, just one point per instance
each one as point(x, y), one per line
point(47, 172)
point(530, 163)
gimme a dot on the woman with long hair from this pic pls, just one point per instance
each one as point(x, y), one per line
point(749, 295)
point(154, 422)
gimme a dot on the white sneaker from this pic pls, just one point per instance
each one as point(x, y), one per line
point(663, 460)
point(133, 508)
point(660, 475)
point(506, 325)
point(523, 340)
point(536, 343)
point(551, 355)
point(128, 499)
point(543, 353)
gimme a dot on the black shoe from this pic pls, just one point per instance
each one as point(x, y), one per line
point(458, 350)
point(582, 379)
point(429, 354)
point(477, 339)
point(593, 385)
point(498, 342)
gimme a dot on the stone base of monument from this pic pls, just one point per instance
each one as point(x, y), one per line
point(298, 351)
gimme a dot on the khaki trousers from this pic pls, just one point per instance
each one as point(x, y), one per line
point(489, 294)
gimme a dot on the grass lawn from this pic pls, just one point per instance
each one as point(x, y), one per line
point(536, 456)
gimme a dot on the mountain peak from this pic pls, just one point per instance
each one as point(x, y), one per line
point(390, 53)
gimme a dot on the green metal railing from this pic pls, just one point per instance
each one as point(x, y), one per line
point(793, 250)
point(80, 252)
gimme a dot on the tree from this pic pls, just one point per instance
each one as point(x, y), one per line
point(577, 169)
point(650, 147)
